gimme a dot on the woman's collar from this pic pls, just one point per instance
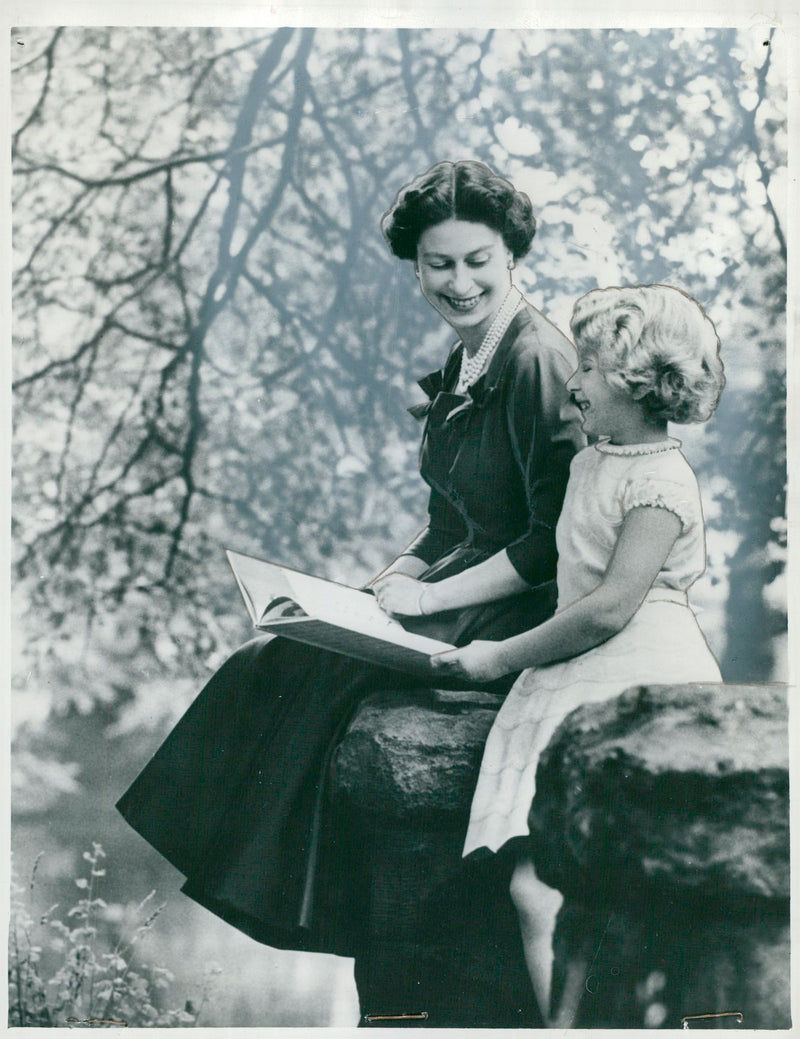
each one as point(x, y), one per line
point(434, 382)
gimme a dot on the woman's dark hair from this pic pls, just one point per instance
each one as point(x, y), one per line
point(464, 190)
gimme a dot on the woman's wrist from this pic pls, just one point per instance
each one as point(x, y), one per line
point(495, 578)
point(430, 599)
point(409, 564)
point(406, 564)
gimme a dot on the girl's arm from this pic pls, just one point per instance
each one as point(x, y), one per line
point(645, 540)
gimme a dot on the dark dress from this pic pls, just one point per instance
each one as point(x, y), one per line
point(234, 797)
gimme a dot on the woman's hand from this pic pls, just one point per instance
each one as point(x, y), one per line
point(401, 595)
point(480, 661)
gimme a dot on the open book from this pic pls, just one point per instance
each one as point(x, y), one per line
point(329, 615)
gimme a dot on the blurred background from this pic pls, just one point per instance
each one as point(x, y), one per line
point(214, 348)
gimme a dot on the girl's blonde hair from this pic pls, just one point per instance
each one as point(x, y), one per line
point(658, 344)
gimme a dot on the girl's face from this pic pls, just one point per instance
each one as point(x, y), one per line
point(606, 410)
point(463, 271)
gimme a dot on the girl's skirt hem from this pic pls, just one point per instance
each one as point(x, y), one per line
point(662, 644)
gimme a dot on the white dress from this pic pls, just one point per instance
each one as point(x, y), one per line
point(661, 644)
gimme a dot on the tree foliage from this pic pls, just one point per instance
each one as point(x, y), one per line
point(214, 347)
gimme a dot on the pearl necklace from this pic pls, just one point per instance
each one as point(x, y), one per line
point(471, 367)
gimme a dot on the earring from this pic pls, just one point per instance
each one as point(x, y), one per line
point(511, 265)
point(416, 271)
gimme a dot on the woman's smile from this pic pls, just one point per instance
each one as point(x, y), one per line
point(464, 304)
point(464, 272)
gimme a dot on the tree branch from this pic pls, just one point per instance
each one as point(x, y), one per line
point(35, 113)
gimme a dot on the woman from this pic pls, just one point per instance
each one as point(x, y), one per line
point(234, 797)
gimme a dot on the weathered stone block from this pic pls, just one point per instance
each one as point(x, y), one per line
point(441, 937)
point(663, 816)
point(673, 786)
point(414, 754)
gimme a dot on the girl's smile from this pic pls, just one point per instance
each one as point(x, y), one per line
point(464, 272)
point(608, 410)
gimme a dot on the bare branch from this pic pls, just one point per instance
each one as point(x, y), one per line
point(227, 273)
point(35, 113)
point(151, 171)
point(215, 59)
point(414, 107)
point(763, 73)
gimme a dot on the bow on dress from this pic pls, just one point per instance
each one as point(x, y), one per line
point(476, 396)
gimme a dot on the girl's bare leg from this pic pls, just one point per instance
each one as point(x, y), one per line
point(574, 982)
point(537, 906)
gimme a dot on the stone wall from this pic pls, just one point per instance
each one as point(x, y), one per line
point(663, 818)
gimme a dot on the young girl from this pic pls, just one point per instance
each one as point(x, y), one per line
point(630, 543)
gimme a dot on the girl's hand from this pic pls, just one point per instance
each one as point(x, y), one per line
point(480, 661)
point(400, 594)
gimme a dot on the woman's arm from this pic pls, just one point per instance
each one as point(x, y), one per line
point(441, 532)
point(406, 565)
point(646, 539)
point(444, 530)
point(398, 593)
point(543, 432)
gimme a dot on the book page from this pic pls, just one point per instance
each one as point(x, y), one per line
point(347, 608)
point(260, 583)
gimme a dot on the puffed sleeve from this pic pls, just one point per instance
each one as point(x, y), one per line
point(545, 431)
point(679, 496)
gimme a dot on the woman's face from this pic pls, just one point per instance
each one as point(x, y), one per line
point(463, 271)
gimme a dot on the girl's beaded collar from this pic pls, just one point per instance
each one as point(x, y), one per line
point(657, 447)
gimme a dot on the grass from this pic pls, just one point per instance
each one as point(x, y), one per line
point(83, 967)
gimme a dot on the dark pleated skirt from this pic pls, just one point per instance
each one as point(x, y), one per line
point(235, 797)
